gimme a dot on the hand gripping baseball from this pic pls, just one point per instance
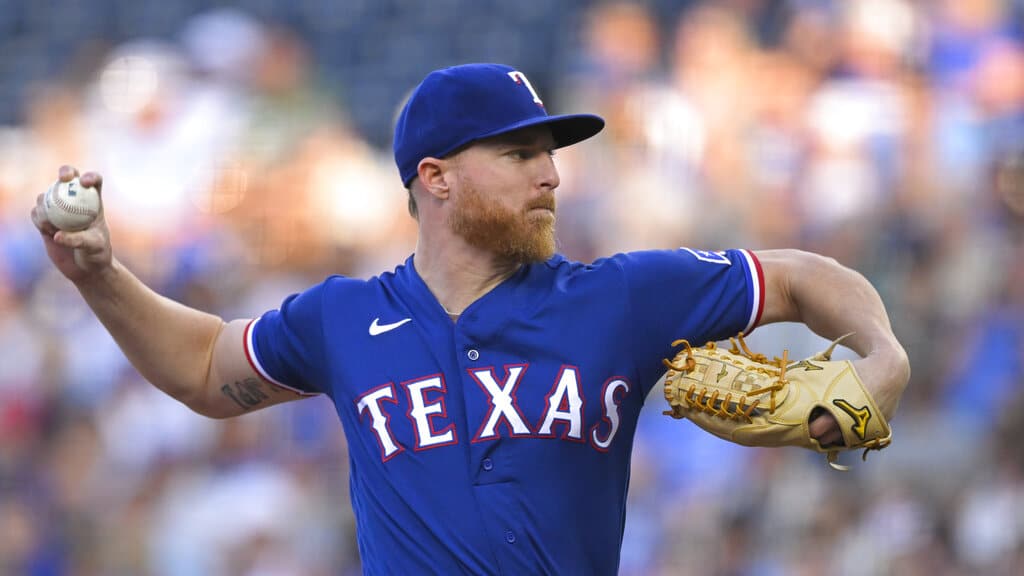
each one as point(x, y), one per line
point(78, 255)
point(746, 398)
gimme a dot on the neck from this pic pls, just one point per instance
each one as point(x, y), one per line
point(457, 273)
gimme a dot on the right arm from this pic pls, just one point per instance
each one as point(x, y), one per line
point(195, 357)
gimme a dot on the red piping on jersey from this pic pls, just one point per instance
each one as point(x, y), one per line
point(245, 347)
point(255, 368)
point(760, 287)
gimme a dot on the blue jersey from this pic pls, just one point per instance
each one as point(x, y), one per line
point(500, 443)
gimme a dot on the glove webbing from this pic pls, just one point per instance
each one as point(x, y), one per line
point(704, 402)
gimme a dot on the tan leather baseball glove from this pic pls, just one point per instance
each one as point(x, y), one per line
point(746, 398)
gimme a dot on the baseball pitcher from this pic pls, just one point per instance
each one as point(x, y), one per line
point(488, 387)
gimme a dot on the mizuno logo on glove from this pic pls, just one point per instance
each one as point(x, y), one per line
point(860, 415)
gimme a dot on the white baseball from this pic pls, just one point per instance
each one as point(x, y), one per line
point(71, 206)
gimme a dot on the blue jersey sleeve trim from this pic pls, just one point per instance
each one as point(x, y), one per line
point(252, 355)
point(755, 291)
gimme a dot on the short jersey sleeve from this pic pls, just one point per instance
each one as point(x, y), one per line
point(693, 294)
point(286, 346)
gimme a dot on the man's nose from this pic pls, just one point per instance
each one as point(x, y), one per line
point(549, 177)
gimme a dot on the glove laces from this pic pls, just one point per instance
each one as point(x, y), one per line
point(727, 407)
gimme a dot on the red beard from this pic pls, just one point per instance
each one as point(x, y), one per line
point(522, 237)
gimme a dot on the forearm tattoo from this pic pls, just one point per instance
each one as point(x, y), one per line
point(248, 393)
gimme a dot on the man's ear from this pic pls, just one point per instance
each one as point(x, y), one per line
point(433, 174)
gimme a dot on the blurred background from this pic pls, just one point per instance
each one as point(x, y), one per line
point(246, 152)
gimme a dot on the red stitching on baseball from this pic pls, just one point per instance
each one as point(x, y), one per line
point(72, 208)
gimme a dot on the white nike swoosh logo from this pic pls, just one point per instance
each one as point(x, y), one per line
point(377, 329)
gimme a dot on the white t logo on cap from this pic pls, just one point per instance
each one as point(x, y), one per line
point(520, 78)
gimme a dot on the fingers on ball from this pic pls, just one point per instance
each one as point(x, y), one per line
point(67, 173)
point(92, 180)
point(69, 239)
point(41, 222)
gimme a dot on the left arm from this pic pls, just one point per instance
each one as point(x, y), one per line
point(832, 300)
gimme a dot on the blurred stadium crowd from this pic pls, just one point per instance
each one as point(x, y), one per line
point(246, 156)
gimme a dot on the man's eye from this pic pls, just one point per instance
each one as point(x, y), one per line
point(528, 153)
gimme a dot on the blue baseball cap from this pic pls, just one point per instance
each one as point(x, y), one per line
point(455, 106)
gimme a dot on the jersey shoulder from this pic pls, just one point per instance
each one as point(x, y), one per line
point(563, 266)
point(572, 275)
point(336, 283)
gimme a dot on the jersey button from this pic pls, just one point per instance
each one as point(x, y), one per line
point(473, 354)
point(487, 464)
point(510, 537)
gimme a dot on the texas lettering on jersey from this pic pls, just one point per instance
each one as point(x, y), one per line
point(563, 414)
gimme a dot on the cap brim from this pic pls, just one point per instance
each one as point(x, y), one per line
point(565, 129)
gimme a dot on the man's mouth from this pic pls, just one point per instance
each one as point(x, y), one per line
point(548, 205)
